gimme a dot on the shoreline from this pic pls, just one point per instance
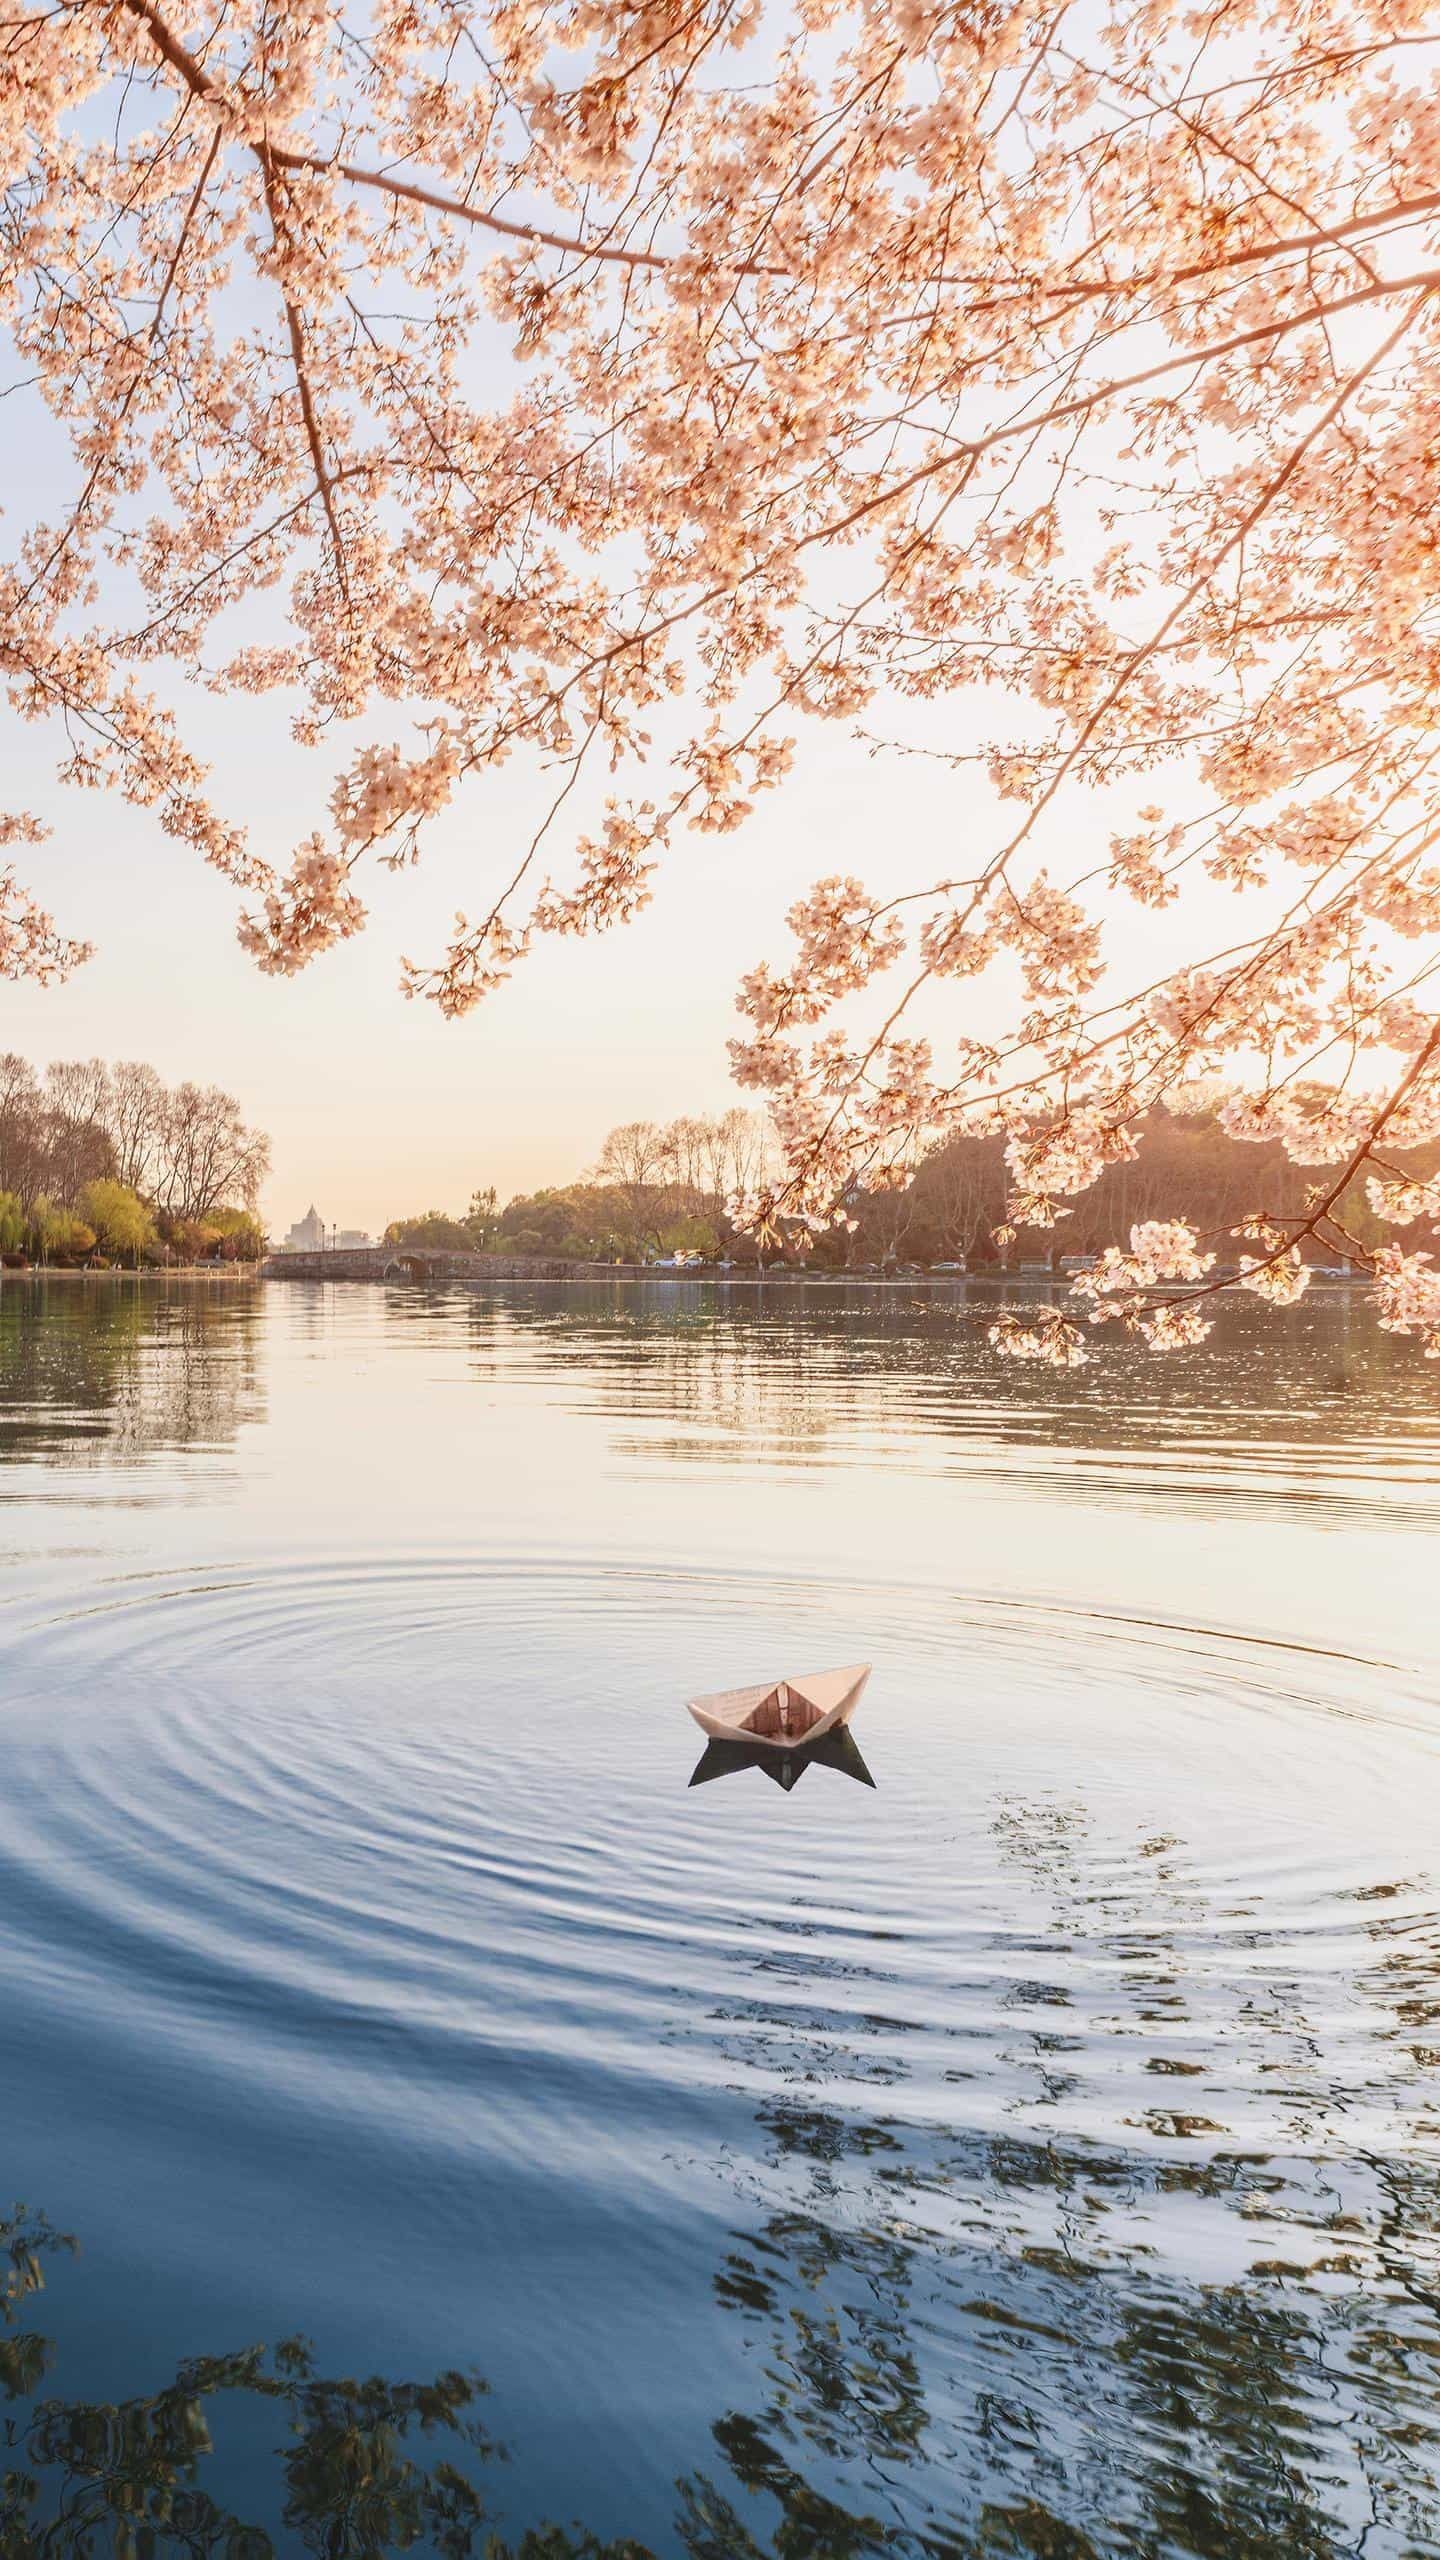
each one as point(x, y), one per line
point(187, 1271)
point(116, 1271)
point(233, 1274)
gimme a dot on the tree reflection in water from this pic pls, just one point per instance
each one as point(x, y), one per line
point(1053, 2342)
point(109, 1367)
point(124, 2477)
point(698, 1373)
point(1008, 2331)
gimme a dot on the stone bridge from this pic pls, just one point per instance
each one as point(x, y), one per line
point(431, 1267)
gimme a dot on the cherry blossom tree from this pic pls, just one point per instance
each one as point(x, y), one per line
point(1052, 389)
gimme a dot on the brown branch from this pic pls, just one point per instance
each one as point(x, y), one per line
point(454, 208)
point(307, 400)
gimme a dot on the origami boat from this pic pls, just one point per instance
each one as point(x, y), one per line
point(783, 1715)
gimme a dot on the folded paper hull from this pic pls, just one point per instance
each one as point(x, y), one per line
point(783, 1715)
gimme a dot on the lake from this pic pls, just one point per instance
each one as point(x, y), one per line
point(1031, 2151)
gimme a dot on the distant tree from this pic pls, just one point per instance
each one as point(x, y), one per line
point(186, 1150)
point(52, 1139)
point(683, 1182)
point(56, 1234)
point(585, 1222)
point(241, 1234)
point(434, 1227)
point(78, 1143)
point(735, 1156)
point(475, 1232)
point(134, 1120)
point(1188, 1164)
point(636, 1163)
point(481, 1218)
point(205, 1154)
point(188, 1240)
point(12, 1222)
point(962, 1187)
point(124, 1224)
point(21, 1111)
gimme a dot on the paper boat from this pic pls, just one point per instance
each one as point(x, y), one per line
point(783, 1715)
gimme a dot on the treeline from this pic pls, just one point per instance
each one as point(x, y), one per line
point(1186, 1166)
point(659, 1189)
point(106, 1164)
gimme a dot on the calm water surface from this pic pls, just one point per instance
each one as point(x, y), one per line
point(1031, 2153)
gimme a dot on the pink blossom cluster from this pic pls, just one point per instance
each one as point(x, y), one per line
point(1137, 1287)
point(1407, 1294)
point(1044, 1337)
point(1281, 1279)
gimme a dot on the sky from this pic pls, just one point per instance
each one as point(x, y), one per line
point(375, 1106)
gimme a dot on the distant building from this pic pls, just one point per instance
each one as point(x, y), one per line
point(308, 1233)
point(311, 1235)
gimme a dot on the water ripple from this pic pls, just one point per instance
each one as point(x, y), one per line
point(1033, 2153)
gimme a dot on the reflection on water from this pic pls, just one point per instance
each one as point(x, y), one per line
point(108, 1368)
point(837, 1750)
point(698, 1373)
point(1040, 2339)
point(702, 1372)
point(1031, 2157)
point(128, 2477)
point(1044, 2340)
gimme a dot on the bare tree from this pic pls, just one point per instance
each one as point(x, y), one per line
point(78, 1088)
point(684, 1172)
point(205, 1154)
point(962, 1184)
point(78, 1148)
point(135, 1118)
point(745, 1143)
point(22, 1149)
point(633, 1162)
point(187, 1151)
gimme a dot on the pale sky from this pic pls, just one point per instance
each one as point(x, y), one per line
point(376, 1106)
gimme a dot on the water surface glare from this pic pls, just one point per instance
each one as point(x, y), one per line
point(1031, 2153)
